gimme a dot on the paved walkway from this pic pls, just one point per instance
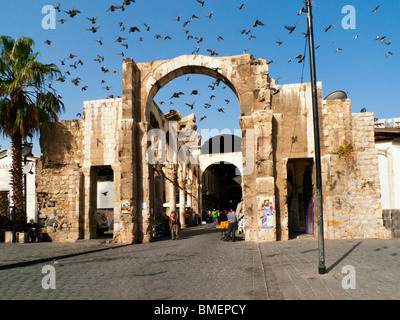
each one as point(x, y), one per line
point(199, 266)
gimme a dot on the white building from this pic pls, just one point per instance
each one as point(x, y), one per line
point(387, 140)
point(5, 181)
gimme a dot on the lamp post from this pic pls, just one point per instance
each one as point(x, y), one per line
point(26, 152)
point(321, 249)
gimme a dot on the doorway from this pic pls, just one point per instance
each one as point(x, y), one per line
point(102, 201)
point(300, 197)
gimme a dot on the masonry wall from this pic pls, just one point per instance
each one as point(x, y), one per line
point(59, 182)
point(351, 188)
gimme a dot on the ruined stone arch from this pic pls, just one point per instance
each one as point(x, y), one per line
point(247, 78)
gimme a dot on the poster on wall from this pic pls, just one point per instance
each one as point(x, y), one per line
point(125, 208)
point(267, 212)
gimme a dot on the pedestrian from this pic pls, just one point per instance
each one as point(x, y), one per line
point(214, 216)
point(232, 223)
point(194, 217)
point(33, 231)
point(174, 225)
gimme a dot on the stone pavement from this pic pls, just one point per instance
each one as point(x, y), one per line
point(199, 266)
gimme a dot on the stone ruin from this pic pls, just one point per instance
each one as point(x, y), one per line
point(278, 176)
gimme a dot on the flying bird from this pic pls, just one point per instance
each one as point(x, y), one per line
point(376, 9)
point(177, 95)
point(92, 19)
point(72, 13)
point(195, 92)
point(119, 39)
point(291, 28)
point(190, 105)
point(201, 2)
point(133, 29)
point(93, 29)
point(57, 8)
point(113, 8)
point(209, 15)
point(257, 23)
point(387, 54)
point(202, 118)
point(300, 57)
point(329, 27)
point(48, 42)
point(241, 6)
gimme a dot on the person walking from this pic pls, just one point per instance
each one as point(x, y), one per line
point(232, 222)
point(174, 225)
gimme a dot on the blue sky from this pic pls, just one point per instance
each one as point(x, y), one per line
point(360, 68)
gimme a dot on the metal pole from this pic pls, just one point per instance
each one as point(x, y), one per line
point(321, 249)
point(14, 238)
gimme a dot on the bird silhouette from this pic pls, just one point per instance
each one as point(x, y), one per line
point(120, 39)
point(376, 9)
point(202, 118)
point(93, 20)
point(196, 92)
point(300, 57)
point(62, 20)
point(57, 7)
point(291, 28)
point(190, 105)
point(209, 15)
point(387, 54)
point(177, 95)
point(329, 27)
point(133, 29)
point(48, 42)
point(201, 2)
point(113, 8)
point(72, 13)
point(257, 23)
point(93, 29)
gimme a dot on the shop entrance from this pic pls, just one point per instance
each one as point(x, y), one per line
point(300, 197)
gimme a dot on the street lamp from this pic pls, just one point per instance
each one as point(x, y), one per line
point(321, 249)
point(26, 152)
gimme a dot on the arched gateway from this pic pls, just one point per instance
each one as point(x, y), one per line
point(115, 141)
point(248, 79)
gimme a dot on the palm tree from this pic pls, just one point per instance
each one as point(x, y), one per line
point(26, 102)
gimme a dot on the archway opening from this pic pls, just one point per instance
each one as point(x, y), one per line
point(300, 197)
point(222, 187)
point(103, 202)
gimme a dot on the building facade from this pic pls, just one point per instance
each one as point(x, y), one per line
point(157, 167)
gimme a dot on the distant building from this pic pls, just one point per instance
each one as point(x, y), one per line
point(387, 141)
point(5, 184)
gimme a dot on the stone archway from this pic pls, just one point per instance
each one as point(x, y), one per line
point(248, 79)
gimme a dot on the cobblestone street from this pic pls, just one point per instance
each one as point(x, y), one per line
point(199, 266)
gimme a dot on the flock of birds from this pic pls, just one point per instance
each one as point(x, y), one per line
point(74, 62)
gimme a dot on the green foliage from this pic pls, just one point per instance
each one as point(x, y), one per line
point(346, 151)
